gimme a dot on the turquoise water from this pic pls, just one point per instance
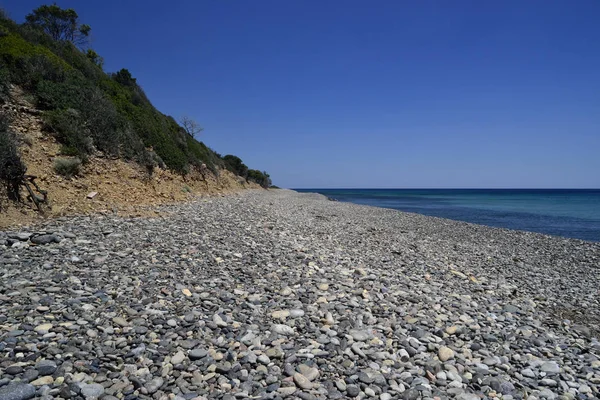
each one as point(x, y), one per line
point(561, 212)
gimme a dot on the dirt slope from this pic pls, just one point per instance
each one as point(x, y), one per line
point(122, 187)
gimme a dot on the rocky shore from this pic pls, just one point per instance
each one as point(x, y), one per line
point(276, 294)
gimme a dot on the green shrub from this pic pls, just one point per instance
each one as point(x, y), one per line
point(71, 92)
point(12, 169)
point(23, 58)
point(262, 178)
point(68, 151)
point(30, 71)
point(235, 165)
point(70, 129)
point(4, 84)
point(67, 167)
point(102, 120)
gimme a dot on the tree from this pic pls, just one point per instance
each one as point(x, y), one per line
point(190, 126)
point(95, 58)
point(262, 178)
point(60, 24)
point(235, 165)
point(123, 76)
point(12, 169)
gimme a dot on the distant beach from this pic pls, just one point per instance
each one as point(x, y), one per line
point(572, 213)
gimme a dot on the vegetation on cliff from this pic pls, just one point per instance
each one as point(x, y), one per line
point(89, 110)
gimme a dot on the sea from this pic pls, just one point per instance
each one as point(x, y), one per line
point(570, 213)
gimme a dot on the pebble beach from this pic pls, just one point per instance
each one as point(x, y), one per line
point(277, 294)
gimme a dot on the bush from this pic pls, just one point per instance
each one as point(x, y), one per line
point(70, 129)
point(4, 84)
point(102, 120)
point(68, 151)
point(235, 165)
point(70, 92)
point(30, 63)
point(262, 178)
point(12, 169)
point(67, 167)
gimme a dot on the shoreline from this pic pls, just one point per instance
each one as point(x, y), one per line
point(280, 294)
point(543, 230)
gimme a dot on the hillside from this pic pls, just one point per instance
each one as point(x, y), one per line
point(79, 128)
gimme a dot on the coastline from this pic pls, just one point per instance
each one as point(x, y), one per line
point(309, 297)
point(570, 213)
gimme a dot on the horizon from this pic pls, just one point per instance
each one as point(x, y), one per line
point(345, 94)
point(437, 188)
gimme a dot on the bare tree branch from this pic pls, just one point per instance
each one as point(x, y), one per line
point(191, 127)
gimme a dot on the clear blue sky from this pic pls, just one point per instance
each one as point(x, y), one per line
point(372, 93)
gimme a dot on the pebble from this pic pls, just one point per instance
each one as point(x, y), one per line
point(283, 329)
point(43, 328)
point(219, 321)
point(352, 390)
point(301, 381)
point(360, 336)
point(178, 358)
point(445, 353)
point(311, 373)
point(92, 391)
point(44, 380)
point(46, 367)
point(17, 391)
point(197, 354)
point(120, 321)
point(281, 314)
point(154, 385)
point(550, 367)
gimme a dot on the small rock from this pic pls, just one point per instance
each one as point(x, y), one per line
point(18, 391)
point(155, 384)
point(352, 390)
point(281, 314)
point(287, 391)
point(296, 313)
point(302, 382)
point(445, 353)
point(43, 328)
point(323, 286)
point(550, 367)
point(282, 329)
point(528, 373)
point(46, 367)
point(44, 380)
point(92, 391)
point(45, 239)
point(311, 373)
point(178, 358)
point(219, 321)
point(120, 321)
point(451, 330)
point(360, 336)
point(197, 354)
